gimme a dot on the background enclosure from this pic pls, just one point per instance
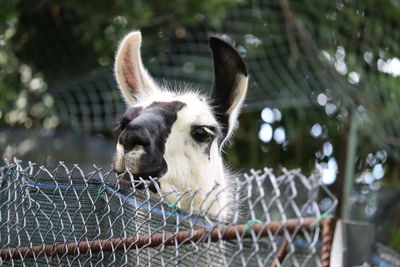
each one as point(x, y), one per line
point(324, 85)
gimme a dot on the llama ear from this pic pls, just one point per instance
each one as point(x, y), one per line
point(133, 80)
point(230, 84)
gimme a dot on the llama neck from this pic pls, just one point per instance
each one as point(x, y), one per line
point(207, 177)
point(193, 167)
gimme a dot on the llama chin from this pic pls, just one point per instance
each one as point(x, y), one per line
point(178, 136)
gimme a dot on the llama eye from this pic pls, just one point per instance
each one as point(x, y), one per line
point(202, 134)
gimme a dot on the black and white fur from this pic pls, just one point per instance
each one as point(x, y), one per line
point(178, 136)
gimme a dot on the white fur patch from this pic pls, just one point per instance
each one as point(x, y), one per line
point(119, 160)
point(234, 110)
point(133, 79)
point(132, 158)
point(128, 161)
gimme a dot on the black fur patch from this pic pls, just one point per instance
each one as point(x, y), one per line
point(228, 65)
point(129, 115)
point(207, 151)
point(150, 128)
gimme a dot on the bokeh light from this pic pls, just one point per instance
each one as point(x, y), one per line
point(280, 135)
point(316, 130)
point(267, 115)
point(265, 133)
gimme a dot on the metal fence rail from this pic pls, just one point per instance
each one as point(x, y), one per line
point(64, 216)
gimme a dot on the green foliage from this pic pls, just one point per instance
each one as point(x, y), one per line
point(45, 43)
point(395, 239)
point(21, 88)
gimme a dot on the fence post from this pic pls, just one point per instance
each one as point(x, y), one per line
point(349, 168)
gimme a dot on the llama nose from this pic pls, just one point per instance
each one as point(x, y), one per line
point(134, 135)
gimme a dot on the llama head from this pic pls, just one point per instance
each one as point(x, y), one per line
point(177, 136)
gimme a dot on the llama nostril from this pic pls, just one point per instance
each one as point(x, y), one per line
point(134, 137)
point(132, 145)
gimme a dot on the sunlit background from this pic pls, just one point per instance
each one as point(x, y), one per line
point(324, 86)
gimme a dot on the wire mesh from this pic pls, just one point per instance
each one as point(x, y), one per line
point(296, 50)
point(64, 216)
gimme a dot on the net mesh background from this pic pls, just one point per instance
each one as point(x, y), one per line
point(64, 205)
point(295, 50)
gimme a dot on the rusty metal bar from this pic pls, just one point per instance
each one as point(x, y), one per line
point(168, 239)
point(282, 252)
point(328, 230)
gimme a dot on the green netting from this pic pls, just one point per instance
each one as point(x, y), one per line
point(296, 50)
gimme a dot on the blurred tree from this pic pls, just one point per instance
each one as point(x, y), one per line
point(47, 43)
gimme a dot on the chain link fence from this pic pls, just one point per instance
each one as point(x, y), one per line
point(64, 216)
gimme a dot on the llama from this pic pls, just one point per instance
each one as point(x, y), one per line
point(178, 136)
